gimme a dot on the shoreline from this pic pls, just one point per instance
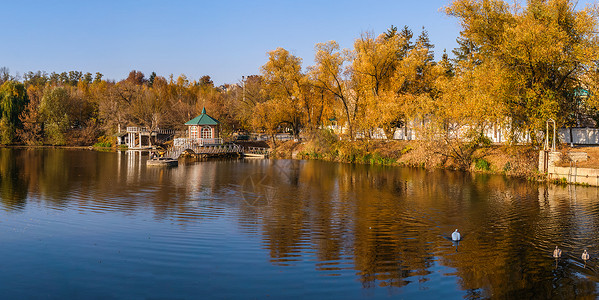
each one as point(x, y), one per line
point(521, 161)
point(512, 161)
point(414, 154)
point(57, 147)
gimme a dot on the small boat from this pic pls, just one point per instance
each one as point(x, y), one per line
point(162, 161)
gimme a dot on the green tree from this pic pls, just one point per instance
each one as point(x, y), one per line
point(151, 79)
point(13, 99)
point(55, 116)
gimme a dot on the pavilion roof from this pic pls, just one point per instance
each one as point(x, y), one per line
point(203, 119)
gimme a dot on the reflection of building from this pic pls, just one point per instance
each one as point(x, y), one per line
point(204, 130)
point(129, 165)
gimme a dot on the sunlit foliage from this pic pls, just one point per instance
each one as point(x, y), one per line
point(516, 66)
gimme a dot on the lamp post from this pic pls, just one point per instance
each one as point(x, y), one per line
point(243, 87)
point(547, 135)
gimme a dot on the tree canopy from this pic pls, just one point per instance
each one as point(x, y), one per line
point(516, 66)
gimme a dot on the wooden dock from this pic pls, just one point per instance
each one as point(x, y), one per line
point(255, 152)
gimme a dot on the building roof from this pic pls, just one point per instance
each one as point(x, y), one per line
point(203, 119)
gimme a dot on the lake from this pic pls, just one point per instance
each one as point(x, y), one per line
point(103, 225)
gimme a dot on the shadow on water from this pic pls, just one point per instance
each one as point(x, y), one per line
point(377, 226)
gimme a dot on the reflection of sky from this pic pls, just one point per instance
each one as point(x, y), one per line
point(330, 229)
point(114, 254)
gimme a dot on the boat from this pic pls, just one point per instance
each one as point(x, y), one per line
point(162, 161)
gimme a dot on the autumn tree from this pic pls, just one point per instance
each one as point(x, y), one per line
point(540, 54)
point(216, 103)
point(329, 74)
point(136, 77)
point(147, 108)
point(181, 97)
point(244, 97)
point(375, 62)
point(31, 132)
point(394, 76)
point(267, 118)
point(98, 77)
point(286, 84)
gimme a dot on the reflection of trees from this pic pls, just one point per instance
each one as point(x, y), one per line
point(386, 225)
point(284, 217)
point(13, 185)
point(383, 249)
point(390, 221)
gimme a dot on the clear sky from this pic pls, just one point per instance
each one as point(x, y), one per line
point(222, 39)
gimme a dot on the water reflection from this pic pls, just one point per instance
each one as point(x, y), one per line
point(384, 227)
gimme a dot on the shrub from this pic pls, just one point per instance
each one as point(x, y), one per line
point(482, 164)
point(103, 145)
point(104, 142)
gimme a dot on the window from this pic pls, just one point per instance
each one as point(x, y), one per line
point(193, 132)
point(206, 132)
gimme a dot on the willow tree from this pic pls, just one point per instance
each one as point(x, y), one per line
point(541, 52)
point(13, 99)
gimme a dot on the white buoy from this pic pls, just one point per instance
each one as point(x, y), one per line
point(455, 236)
point(585, 256)
point(557, 253)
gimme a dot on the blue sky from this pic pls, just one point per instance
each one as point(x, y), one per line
point(222, 39)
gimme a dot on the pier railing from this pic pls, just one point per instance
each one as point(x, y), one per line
point(146, 130)
point(197, 142)
point(256, 150)
point(200, 146)
point(181, 146)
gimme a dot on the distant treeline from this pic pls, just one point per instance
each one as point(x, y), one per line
point(516, 66)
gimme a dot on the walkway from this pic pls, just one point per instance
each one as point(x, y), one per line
point(176, 151)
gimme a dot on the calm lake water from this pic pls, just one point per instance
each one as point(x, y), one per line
point(102, 225)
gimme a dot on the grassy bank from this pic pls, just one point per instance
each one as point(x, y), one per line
point(518, 161)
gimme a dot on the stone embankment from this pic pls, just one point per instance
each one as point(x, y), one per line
point(563, 167)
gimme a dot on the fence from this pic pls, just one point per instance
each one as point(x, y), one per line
point(580, 136)
point(180, 147)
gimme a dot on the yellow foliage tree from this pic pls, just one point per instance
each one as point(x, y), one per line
point(540, 52)
point(286, 85)
point(330, 75)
